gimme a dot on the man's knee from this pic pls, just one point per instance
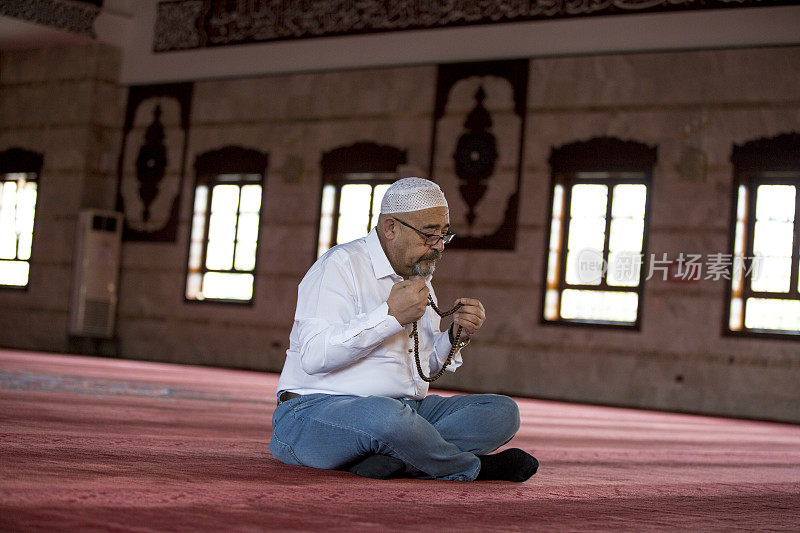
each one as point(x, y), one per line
point(511, 409)
point(389, 421)
point(505, 413)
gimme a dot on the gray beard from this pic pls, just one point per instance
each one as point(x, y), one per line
point(419, 270)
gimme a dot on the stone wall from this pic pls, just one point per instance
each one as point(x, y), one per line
point(679, 360)
point(65, 103)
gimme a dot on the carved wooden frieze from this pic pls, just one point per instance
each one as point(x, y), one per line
point(72, 16)
point(781, 152)
point(603, 153)
point(185, 24)
point(362, 157)
point(20, 160)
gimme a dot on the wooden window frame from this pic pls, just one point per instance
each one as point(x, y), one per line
point(751, 160)
point(229, 160)
point(21, 161)
point(600, 154)
point(349, 165)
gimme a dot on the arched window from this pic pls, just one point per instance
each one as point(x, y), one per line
point(354, 179)
point(597, 240)
point(225, 222)
point(764, 291)
point(19, 184)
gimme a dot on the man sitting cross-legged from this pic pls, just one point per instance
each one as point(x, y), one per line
point(350, 394)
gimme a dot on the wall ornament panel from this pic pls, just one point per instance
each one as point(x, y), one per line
point(186, 24)
point(477, 148)
point(152, 160)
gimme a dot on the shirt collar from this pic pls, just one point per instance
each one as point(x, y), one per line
point(380, 263)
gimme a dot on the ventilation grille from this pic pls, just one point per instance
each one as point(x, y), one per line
point(97, 317)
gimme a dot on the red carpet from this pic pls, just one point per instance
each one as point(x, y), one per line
point(96, 444)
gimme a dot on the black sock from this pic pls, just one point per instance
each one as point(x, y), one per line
point(378, 467)
point(509, 465)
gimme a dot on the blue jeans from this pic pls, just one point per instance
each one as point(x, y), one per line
point(436, 437)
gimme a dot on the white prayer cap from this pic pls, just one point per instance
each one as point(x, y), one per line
point(412, 194)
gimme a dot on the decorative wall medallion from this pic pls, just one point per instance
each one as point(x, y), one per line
point(693, 165)
point(152, 160)
point(480, 107)
point(151, 163)
point(475, 155)
point(183, 24)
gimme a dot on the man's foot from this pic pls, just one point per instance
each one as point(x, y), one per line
point(378, 467)
point(509, 465)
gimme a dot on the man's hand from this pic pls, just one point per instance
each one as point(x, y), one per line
point(470, 316)
point(408, 299)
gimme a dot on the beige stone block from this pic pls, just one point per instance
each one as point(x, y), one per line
point(58, 103)
point(663, 78)
point(683, 317)
point(157, 255)
point(289, 208)
point(758, 390)
point(99, 192)
point(67, 62)
point(48, 290)
point(318, 95)
point(54, 237)
point(743, 125)
point(109, 101)
point(64, 149)
point(220, 101)
point(203, 139)
point(51, 284)
point(197, 343)
point(521, 266)
point(13, 65)
point(534, 202)
point(59, 193)
point(404, 91)
point(151, 293)
point(60, 147)
point(102, 151)
point(109, 62)
point(276, 299)
point(488, 370)
point(40, 330)
point(10, 104)
point(70, 62)
point(690, 205)
point(286, 249)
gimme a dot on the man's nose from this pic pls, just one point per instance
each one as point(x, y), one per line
point(439, 246)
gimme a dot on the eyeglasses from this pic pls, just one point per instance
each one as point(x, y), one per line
point(431, 239)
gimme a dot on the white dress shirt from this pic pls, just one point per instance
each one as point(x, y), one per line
point(345, 342)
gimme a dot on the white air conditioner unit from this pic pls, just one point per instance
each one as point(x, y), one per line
point(96, 272)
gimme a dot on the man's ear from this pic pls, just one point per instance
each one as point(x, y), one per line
point(389, 228)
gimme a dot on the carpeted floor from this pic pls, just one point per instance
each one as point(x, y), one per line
point(95, 444)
